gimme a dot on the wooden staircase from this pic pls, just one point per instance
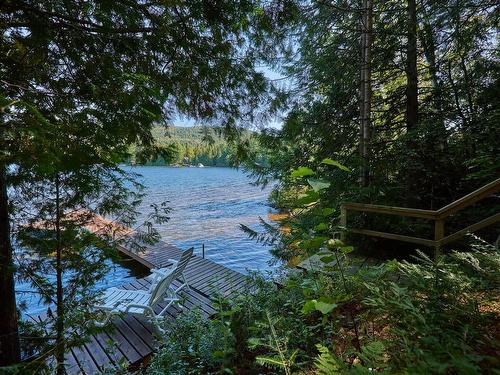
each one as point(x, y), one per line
point(438, 216)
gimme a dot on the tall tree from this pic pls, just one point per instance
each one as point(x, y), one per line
point(411, 67)
point(62, 261)
point(366, 90)
point(411, 99)
point(101, 74)
point(434, 72)
point(9, 338)
point(428, 40)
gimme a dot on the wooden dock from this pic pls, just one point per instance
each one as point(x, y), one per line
point(129, 340)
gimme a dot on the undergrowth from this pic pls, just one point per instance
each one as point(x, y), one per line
point(411, 317)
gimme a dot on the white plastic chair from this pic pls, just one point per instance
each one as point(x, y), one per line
point(142, 302)
point(159, 273)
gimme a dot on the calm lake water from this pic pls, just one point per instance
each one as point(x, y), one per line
point(208, 206)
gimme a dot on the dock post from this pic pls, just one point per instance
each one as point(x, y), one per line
point(203, 250)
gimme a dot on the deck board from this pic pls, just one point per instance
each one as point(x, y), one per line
point(70, 363)
point(138, 344)
point(122, 344)
point(85, 361)
point(98, 354)
point(200, 279)
point(130, 338)
point(140, 330)
point(106, 343)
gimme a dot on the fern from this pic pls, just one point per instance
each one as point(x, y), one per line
point(279, 346)
point(326, 363)
point(372, 354)
point(272, 362)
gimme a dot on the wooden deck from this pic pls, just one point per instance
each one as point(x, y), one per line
point(129, 340)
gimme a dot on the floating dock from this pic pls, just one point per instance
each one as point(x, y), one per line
point(129, 340)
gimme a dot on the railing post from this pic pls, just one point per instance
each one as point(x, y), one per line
point(343, 222)
point(203, 250)
point(438, 236)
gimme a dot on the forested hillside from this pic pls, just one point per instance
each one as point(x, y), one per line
point(390, 113)
point(192, 146)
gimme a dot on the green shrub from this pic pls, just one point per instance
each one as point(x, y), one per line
point(192, 345)
point(419, 317)
point(433, 316)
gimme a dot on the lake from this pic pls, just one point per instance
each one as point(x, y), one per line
point(208, 206)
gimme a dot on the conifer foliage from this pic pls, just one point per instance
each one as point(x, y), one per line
point(402, 92)
point(81, 82)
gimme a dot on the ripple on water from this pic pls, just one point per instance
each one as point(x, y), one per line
point(209, 204)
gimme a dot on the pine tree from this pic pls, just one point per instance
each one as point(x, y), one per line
point(99, 75)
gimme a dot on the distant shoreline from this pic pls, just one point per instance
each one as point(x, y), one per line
point(180, 166)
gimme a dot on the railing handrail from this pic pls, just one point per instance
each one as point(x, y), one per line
point(470, 198)
point(390, 210)
point(439, 216)
point(443, 212)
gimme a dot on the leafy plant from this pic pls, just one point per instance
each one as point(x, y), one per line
point(433, 316)
point(192, 345)
point(283, 359)
point(326, 363)
point(370, 360)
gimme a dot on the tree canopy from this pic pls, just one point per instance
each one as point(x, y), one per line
point(83, 81)
point(401, 92)
point(389, 102)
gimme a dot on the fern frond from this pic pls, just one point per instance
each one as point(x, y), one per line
point(373, 353)
point(271, 362)
point(326, 363)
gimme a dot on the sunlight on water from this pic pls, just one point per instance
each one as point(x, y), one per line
point(209, 204)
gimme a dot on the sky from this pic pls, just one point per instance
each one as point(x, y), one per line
point(187, 122)
point(179, 120)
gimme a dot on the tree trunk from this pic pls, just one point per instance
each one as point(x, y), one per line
point(60, 344)
point(411, 68)
point(365, 91)
point(438, 139)
point(10, 352)
point(411, 104)
point(429, 47)
point(362, 82)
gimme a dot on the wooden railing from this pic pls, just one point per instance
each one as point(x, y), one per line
point(438, 216)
